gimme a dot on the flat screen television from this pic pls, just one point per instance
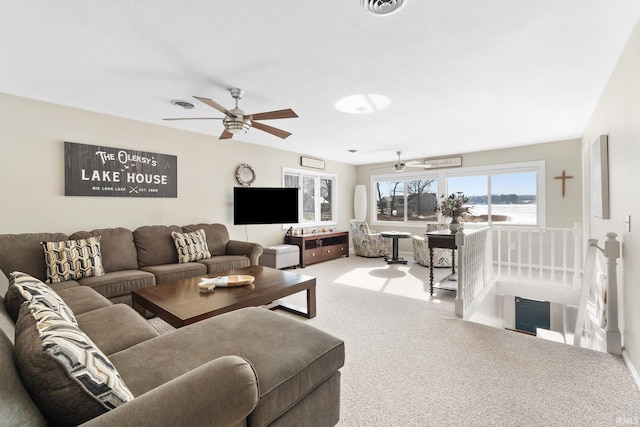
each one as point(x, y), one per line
point(265, 205)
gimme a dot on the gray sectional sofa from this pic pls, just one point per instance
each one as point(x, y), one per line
point(250, 367)
point(131, 259)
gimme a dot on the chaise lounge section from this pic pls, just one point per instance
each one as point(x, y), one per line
point(247, 367)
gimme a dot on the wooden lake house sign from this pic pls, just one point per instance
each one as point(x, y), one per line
point(91, 170)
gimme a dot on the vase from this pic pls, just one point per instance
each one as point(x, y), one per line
point(454, 224)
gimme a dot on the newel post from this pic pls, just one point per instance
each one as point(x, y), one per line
point(612, 253)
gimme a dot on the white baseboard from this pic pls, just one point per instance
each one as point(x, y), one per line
point(631, 368)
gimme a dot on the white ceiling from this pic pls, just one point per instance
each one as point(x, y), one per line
point(462, 75)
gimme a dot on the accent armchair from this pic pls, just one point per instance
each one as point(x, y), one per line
point(441, 257)
point(367, 242)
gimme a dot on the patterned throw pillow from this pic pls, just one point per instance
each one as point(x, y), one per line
point(69, 378)
point(191, 246)
point(73, 259)
point(23, 287)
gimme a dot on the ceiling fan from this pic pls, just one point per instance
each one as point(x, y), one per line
point(236, 121)
point(400, 165)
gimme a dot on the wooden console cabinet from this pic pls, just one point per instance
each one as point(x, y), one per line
point(320, 247)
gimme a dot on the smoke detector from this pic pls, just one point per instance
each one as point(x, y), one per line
point(182, 104)
point(382, 7)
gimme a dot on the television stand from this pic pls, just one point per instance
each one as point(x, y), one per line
point(318, 247)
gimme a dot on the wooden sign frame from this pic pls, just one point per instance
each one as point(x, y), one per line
point(91, 170)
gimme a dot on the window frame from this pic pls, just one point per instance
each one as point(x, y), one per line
point(317, 177)
point(442, 175)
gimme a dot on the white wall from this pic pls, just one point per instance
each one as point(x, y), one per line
point(618, 116)
point(32, 173)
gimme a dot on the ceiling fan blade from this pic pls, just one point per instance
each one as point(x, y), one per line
point(226, 135)
point(394, 166)
point(270, 129)
point(272, 115)
point(215, 105)
point(194, 118)
point(415, 165)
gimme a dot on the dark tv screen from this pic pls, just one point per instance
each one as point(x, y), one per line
point(265, 205)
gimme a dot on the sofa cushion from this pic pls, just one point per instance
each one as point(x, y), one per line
point(221, 263)
point(155, 246)
point(82, 299)
point(287, 372)
point(217, 236)
point(118, 283)
point(171, 272)
point(23, 252)
point(73, 259)
point(67, 376)
point(191, 246)
point(126, 327)
point(116, 245)
point(23, 287)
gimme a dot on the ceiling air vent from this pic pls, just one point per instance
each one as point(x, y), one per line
point(382, 7)
point(183, 104)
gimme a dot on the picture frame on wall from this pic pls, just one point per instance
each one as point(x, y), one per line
point(311, 162)
point(600, 177)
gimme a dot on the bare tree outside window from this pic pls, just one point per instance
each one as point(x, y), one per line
point(390, 203)
point(422, 200)
point(308, 199)
point(326, 192)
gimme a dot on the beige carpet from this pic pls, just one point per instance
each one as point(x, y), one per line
point(411, 362)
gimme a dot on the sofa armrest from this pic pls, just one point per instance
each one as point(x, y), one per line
point(250, 250)
point(222, 392)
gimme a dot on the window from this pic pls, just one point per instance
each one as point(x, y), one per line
point(504, 194)
point(406, 200)
point(318, 198)
point(509, 198)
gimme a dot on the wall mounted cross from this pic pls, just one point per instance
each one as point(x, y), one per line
point(564, 178)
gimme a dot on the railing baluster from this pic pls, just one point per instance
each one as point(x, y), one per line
point(509, 253)
point(519, 249)
point(541, 255)
point(529, 251)
point(499, 269)
point(552, 261)
point(565, 236)
point(577, 255)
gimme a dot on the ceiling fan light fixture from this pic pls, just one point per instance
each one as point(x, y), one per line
point(237, 125)
point(382, 7)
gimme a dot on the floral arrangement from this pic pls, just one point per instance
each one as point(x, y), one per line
point(454, 205)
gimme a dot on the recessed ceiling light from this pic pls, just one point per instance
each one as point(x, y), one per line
point(362, 103)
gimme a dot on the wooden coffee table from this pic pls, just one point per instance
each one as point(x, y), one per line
point(180, 303)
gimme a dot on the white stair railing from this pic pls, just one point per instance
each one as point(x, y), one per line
point(544, 258)
point(544, 255)
point(597, 314)
point(474, 267)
